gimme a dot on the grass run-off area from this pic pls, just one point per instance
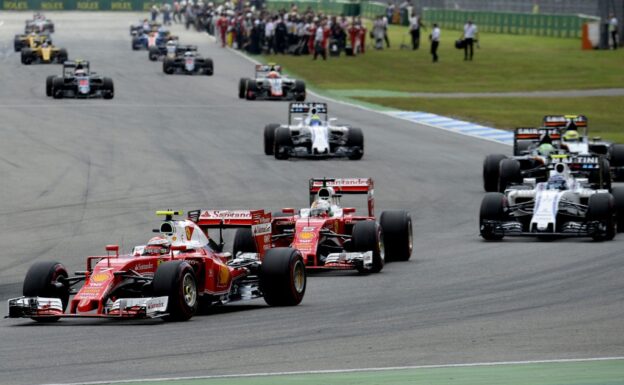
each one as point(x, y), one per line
point(605, 114)
point(503, 63)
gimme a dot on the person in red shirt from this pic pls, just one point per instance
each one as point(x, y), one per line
point(222, 26)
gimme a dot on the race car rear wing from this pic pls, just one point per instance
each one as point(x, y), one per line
point(258, 220)
point(186, 48)
point(346, 186)
point(263, 69)
point(301, 108)
point(524, 137)
point(566, 122)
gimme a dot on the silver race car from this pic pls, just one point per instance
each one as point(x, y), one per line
point(270, 84)
point(564, 205)
point(310, 134)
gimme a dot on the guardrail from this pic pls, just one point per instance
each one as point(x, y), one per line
point(80, 5)
point(367, 9)
point(510, 23)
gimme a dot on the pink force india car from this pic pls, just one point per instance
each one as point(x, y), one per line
point(330, 236)
point(179, 270)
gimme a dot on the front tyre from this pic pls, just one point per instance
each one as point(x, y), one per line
point(269, 138)
point(108, 88)
point(368, 236)
point(492, 212)
point(49, 85)
point(283, 277)
point(601, 210)
point(46, 279)
point(176, 280)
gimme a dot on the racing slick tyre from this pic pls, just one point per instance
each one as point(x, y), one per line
point(300, 91)
point(521, 147)
point(283, 277)
point(397, 234)
point(601, 208)
point(153, 53)
point(17, 44)
point(27, 56)
point(108, 88)
point(57, 88)
point(616, 159)
point(168, 66)
point(47, 279)
point(136, 44)
point(49, 85)
point(618, 197)
point(508, 174)
point(269, 138)
point(244, 242)
point(491, 167)
point(493, 208)
point(252, 89)
point(602, 176)
point(368, 236)
point(62, 56)
point(242, 88)
point(355, 141)
point(208, 67)
point(282, 143)
point(176, 280)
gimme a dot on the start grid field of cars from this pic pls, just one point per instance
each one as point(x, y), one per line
point(295, 219)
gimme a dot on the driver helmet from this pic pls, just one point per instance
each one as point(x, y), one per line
point(273, 75)
point(571, 136)
point(321, 207)
point(157, 246)
point(557, 182)
point(545, 149)
point(188, 53)
point(315, 120)
point(79, 72)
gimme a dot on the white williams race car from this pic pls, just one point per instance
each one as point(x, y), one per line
point(564, 206)
point(312, 135)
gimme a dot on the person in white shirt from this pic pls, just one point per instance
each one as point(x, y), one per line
point(269, 32)
point(613, 30)
point(319, 40)
point(470, 35)
point(435, 41)
point(414, 25)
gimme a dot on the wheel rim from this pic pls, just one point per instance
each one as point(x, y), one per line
point(299, 277)
point(189, 290)
point(410, 237)
point(380, 245)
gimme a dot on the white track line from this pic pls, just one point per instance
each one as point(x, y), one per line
point(337, 371)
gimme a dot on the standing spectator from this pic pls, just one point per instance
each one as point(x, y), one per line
point(415, 25)
point(281, 35)
point(269, 35)
point(154, 12)
point(390, 10)
point(613, 29)
point(166, 11)
point(385, 25)
point(435, 41)
point(470, 35)
point(319, 42)
point(177, 16)
point(378, 32)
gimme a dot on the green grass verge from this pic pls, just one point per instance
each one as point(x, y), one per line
point(606, 115)
point(503, 63)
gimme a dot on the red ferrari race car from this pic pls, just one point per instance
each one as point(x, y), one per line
point(330, 236)
point(179, 270)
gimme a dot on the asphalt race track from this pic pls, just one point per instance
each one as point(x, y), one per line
point(76, 175)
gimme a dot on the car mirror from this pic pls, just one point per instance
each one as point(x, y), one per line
point(348, 210)
point(289, 211)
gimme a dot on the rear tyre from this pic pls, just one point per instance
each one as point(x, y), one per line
point(176, 280)
point(601, 177)
point(493, 208)
point(244, 242)
point(49, 85)
point(300, 90)
point(355, 141)
point(618, 198)
point(108, 88)
point(153, 53)
point(136, 44)
point(45, 279)
point(168, 66)
point(27, 56)
point(209, 67)
point(601, 208)
point(62, 56)
point(397, 234)
point(242, 88)
point(17, 44)
point(491, 167)
point(283, 277)
point(252, 89)
point(508, 174)
point(283, 143)
point(368, 236)
point(269, 138)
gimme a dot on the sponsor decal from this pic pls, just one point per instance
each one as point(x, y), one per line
point(224, 276)
point(156, 305)
point(307, 235)
point(262, 228)
point(189, 232)
point(121, 6)
point(225, 214)
point(88, 5)
point(52, 5)
point(144, 266)
point(308, 229)
point(15, 5)
point(100, 277)
point(90, 292)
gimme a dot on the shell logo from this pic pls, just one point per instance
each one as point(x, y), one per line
point(306, 235)
point(100, 277)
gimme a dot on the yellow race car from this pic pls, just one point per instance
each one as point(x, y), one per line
point(45, 53)
point(30, 40)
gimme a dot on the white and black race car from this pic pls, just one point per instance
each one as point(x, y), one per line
point(188, 62)
point(312, 135)
point(563, 206)
point(269, 83)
